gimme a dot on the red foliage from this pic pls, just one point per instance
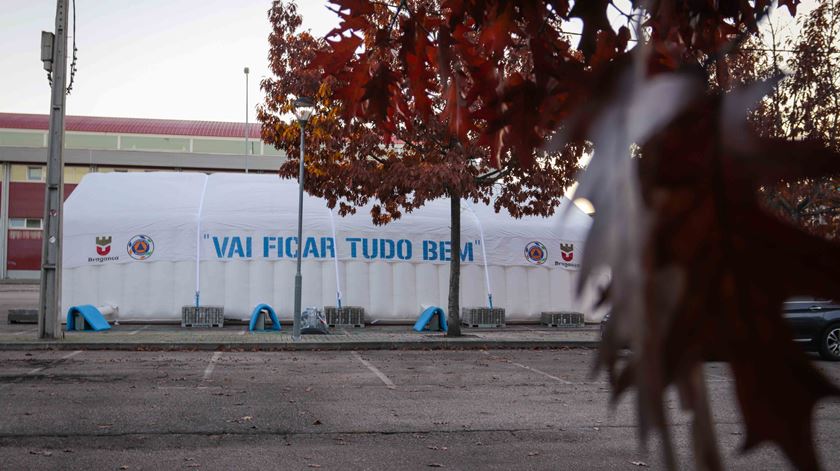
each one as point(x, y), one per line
point(681, 228)
point(388, 133)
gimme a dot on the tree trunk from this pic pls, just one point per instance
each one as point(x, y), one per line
point(454, 317)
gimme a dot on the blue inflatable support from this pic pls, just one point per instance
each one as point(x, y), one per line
point(275, 324)
point(426, 317)
point(94, 320)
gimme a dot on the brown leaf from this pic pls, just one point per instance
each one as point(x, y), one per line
point(593, 14)
point(727, 266)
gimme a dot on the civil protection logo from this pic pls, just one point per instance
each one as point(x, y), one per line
point(141, 247)
point(536, 253)
point(103, 245)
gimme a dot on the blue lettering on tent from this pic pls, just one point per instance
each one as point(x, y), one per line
point(404, 249)
point(289, 242)
point(310, 248)
point(233, 247)
point(467, 253)
point(387, 249)
point(236, 248)
point(220, 250)
point(353, 241)
point(272, 247)
point(374, 249)
point(327, 245)
point(445, 250)
point(430, 250)
point(442, 251)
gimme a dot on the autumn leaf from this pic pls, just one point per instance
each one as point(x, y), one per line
point(593, 14)
point(732, 311)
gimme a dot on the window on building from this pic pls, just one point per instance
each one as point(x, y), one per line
point(35, 174)
point(74, 140)
point(153, 143)
point(10, 138)
point(25, 223)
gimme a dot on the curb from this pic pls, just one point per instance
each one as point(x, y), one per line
point(304, 346)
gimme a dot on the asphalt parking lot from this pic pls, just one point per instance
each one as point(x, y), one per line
point(17, 296)
point(478, 409)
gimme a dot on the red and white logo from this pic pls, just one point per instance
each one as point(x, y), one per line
point(103, 245)
point(567, 251)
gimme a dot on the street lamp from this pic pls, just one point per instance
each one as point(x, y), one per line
point(246, 119)
point(304, 108)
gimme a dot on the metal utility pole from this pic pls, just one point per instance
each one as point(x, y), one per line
point(246, 120)
point(49, 303)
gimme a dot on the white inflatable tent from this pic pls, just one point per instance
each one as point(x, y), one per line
point(150, 243)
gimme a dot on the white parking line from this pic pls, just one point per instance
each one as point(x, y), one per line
point(555, 378)
point(71, 355)
point(138, 330)
point(209, 370)
point(390, 384)
point(65, 357)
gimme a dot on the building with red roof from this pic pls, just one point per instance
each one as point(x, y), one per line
point(98, 144)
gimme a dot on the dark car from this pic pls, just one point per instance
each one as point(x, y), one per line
point(816, 325)
point(815, 322)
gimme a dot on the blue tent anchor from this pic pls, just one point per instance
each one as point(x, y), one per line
point(86, 317)
point(426, 317)
point(255, 316)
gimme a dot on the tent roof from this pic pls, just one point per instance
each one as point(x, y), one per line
point(266, 202)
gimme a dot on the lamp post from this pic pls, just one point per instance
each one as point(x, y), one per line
point(304, 107)
point(246, 119)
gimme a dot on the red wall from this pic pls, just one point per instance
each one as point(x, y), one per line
point(26, 200)
point(24, 250)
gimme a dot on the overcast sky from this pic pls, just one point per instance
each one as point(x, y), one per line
point(177, 59)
